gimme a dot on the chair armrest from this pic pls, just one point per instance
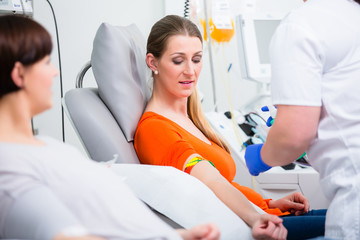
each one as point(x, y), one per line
point(182, 198)
point(96, 127)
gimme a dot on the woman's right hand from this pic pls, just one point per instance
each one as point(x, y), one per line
point(269, 227)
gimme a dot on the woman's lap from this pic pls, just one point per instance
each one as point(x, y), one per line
point(309, 225)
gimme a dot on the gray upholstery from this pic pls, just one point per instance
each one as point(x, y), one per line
point(120, 71)
point(97, 128)
point(105, 115)
point(106, 122)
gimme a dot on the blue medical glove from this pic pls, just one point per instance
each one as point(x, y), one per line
point(253, 159)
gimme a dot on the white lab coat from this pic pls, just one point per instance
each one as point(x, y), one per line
point(315, 57)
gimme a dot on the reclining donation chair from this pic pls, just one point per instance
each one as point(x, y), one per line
point(105, 119)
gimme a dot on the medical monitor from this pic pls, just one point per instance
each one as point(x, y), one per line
point(254, 34)
point(24, 7)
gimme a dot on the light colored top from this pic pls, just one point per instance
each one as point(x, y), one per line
point(96, 196)
point(160, 141)
point(315, 58)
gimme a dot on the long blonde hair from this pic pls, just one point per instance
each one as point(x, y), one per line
point(197, 116)
point(162, 30)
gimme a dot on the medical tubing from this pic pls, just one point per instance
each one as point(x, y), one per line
point(207, 27)
point(60, 70)
point(32, 120)
point(227, 88)
point(186, 8)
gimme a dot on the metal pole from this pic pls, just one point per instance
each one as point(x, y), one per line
point(210, 56)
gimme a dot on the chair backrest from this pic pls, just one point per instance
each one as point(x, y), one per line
point(106, 117)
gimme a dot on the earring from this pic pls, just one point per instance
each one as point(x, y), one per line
point(156, 72)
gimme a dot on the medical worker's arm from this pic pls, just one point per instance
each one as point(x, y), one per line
point(288, 138)
point(291, 134)
point(263, 225)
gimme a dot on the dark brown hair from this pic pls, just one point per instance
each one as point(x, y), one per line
point(21, 40)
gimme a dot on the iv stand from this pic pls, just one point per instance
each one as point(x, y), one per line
point(210, 56)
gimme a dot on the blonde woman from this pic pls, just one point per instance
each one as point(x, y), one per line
point(88, 201)
point(174, 132)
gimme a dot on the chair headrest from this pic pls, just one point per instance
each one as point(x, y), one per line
point(118, 64)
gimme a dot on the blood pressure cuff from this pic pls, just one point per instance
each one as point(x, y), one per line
point(38, 214)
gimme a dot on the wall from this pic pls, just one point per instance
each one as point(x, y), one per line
point(77, 24)
point(231, 89)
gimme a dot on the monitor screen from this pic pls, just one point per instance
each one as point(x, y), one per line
point(254, 35)
point(264, 29)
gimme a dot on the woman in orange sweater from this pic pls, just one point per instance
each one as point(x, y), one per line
point(174, 132)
